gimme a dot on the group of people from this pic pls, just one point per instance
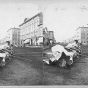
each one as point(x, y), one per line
point(64, 56)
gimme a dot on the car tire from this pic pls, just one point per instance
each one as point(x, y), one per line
point(62, 63)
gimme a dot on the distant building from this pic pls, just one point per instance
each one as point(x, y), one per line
point(31, 31)
point(48, 37)
point(13, 35)
point(51, 37)
point(82, 35)
point(3, 41)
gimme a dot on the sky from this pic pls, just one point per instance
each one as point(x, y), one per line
point(65, 17)
point(13, 14)
point(61, 16)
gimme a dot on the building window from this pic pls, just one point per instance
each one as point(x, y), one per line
point(44, 32)
point(35, 24)
point(32, 26)
point(37, 21)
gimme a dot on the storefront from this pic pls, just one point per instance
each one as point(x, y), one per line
point(27, 42)
point(39, 41)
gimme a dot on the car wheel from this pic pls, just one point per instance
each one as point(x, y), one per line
point(62, 63)
point(68, 66)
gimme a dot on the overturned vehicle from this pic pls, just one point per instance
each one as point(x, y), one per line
point(5, 57)
point(63, 56)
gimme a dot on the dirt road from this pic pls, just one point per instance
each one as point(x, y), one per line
point(26, 71)
point(76, 75)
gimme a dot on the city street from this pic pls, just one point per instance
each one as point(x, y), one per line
point(76, 75)
point(26, 68)
point(23, 72)
point(29, 31)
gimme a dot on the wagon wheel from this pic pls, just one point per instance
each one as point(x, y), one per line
point(62, 63)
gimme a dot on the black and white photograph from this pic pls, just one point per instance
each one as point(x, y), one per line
point(21, 44)
point(44, 43)
point(65, 54)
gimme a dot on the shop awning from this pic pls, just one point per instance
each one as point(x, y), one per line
point(27, 40)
